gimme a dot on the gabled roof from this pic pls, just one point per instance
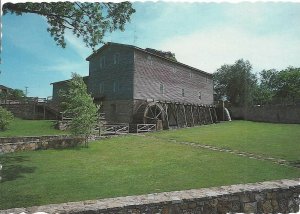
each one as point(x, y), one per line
point(85, 78)
point(143, 50)
point(4, 87)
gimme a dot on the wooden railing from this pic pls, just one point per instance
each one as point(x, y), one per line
point(26, 100)
point(145, 128)
point(114, 129)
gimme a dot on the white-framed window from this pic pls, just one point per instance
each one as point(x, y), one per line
point(174, 70)
point(206, 79)
point(199, 95)
point(102, 62)
point(182, 92)
point(162, 89)
point(116, 58)
point(101, 88)
point(191, 75)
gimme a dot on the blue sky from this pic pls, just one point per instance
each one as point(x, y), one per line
point(203, 35)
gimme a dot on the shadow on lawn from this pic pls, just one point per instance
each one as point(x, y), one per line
point(13, 167)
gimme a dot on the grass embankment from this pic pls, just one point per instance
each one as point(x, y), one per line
point(132, 165)
point(20, 127)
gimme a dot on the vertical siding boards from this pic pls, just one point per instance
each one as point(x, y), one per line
point(120, 74)
point(124, 86)
point(150, 73)
point(116, 81)
point(63, 85)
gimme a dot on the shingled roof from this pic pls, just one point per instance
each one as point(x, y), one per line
point(145, 51)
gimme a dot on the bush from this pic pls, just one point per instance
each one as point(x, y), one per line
point(5, 118)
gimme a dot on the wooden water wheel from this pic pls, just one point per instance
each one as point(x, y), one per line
point(153, 112)
point(150, 113)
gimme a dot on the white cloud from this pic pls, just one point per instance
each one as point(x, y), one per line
point(66, 67)
point(78, 45)
point(210, 49)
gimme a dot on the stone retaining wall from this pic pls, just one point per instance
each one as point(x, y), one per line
point(266, 197)
point(14, 144)
point(274, 114)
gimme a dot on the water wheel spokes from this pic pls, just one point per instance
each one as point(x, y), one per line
point(153, 113)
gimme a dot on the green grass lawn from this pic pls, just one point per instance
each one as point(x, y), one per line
point(20, 127)
point(275, 140)
point(131, 165)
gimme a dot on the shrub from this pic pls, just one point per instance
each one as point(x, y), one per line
point(5, 118)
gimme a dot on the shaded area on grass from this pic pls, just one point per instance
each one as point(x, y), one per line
point(13, 167)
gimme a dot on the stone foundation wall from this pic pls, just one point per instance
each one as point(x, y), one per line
point(266, 197)
point(23, 110)
point(14, 144)
point(274, 114)
point(30, 111)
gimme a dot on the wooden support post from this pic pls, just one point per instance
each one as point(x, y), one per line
point(215, 114)
point(192, 115)
point(176, 111)
point(204, 115)
point(211, 119)
point(184, 115)
point(199, 116)
point(167, 116)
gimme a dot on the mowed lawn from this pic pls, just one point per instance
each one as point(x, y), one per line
point(20, 127)
point(130, 165)
point(274, 140)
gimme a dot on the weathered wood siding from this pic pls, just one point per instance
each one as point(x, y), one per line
point(63, 85)
point(56, 88)
point(116, 80)
point(151, 72)
point(117, 111)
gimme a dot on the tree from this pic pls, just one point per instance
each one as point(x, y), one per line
point(266, 89)
point(287, 84)
point(235, 82)
point(16, 94)
point(79, 105)
point(87, 20)
point(5, 118)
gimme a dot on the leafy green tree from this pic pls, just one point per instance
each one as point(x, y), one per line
point(79, 105)
point(87, 20)
point(235, 82)
point(5, 118)
point(16, 94)
point(265, 91)
point(287, 84)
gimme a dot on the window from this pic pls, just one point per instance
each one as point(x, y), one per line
point(115, 86)
point(149, 58)
point(191, 75)
point(102, 62)
point(206, 79)
point(174, 70)
point(199, 95)
point(182, 92)
point(116, 58)
point(161, 88)
point(101, 88)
